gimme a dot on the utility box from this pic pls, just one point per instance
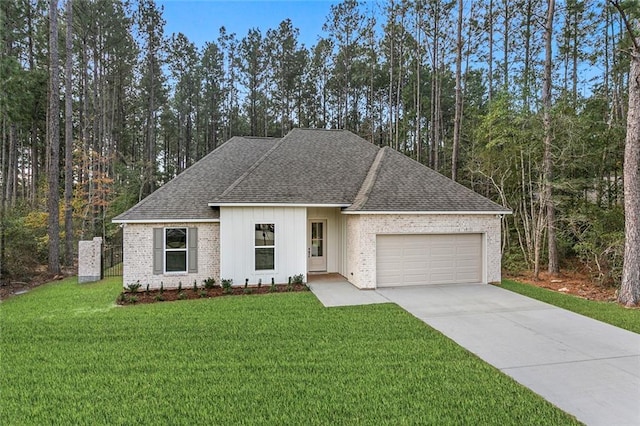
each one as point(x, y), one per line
point(90, 260)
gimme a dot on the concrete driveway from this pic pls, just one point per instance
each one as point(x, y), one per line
point(587, 368)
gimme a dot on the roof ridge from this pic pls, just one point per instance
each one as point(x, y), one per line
point(259, 137)
point(251, 169)
point(363, 194)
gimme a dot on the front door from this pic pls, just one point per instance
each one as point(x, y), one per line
point(317, 251)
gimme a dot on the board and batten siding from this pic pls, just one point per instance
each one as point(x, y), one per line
point(237, 233)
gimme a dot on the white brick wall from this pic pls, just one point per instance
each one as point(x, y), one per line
point(362, 231)
point(138, 255)
point(89, 267)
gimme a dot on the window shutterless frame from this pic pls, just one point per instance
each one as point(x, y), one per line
point(175, 250)
point(264, 246)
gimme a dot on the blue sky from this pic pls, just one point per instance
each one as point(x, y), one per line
point(200, 20)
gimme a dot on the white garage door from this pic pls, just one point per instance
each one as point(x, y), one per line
point(404, 260)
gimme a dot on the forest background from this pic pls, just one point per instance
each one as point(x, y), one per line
point(524, 101)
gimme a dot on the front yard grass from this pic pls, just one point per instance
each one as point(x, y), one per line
point(69, 355)
point(609, 312)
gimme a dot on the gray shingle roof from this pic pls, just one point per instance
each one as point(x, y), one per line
point(307, 167)
point(188, 194)
point(399, 183)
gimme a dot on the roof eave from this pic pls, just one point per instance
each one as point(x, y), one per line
point(159, 220)
point(432, 212)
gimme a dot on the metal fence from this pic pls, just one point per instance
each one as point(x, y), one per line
point(112, 256)
point(112, 261)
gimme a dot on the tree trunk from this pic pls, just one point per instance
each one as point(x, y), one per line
point(12, 166)
point(505, 45)
point(547, 165)
point(3, 156)
point(68, 141)
point(54, 141)
point(418, 95)
point(629, 294)
point(457, 122)
point(490, 59)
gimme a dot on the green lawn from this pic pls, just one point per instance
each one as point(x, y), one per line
point(70, 356)
point(609, 312)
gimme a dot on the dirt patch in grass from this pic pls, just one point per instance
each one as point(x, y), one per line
point(13, 286)
point(569, 282)
point(155, 296)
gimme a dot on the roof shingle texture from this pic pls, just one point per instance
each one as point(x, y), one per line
point(402, 184)
point(188, 194)
point(305, 167)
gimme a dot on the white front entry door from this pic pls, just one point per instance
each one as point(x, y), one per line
point(317, 250)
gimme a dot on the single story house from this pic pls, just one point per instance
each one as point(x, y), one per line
point(313, 201)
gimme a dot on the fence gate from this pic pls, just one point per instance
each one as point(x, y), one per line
point(112, 256)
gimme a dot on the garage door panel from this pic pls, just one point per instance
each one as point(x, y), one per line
point(417, 251)
point(418, 259)
point(441, 276)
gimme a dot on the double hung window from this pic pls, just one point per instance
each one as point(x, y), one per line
point(265, 246)
point(175, 249)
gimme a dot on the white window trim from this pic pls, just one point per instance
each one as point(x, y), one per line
point(185, 250)
point(275, 251)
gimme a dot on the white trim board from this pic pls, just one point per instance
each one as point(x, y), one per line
point(159, 221)
point(362, 212)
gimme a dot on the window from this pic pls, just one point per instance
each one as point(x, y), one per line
point(265, 246)
point(175, 249)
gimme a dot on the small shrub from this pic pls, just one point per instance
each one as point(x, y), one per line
point(159, 298)
point(195, 286)
point(132, 299)
point(209, 283)
point(179, 286)
point(122, 297)
point(273, 288)
point(248, 290)
point(182, 295)
point(161, 287)
point(203, 293)
point(298, 279)
point(133, 287)
point(226, 285)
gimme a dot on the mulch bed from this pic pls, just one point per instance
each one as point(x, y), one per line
point(156, 296)
point(569, 282)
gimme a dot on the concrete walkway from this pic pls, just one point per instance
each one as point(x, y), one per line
point(587, 368)
point(334, 290)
